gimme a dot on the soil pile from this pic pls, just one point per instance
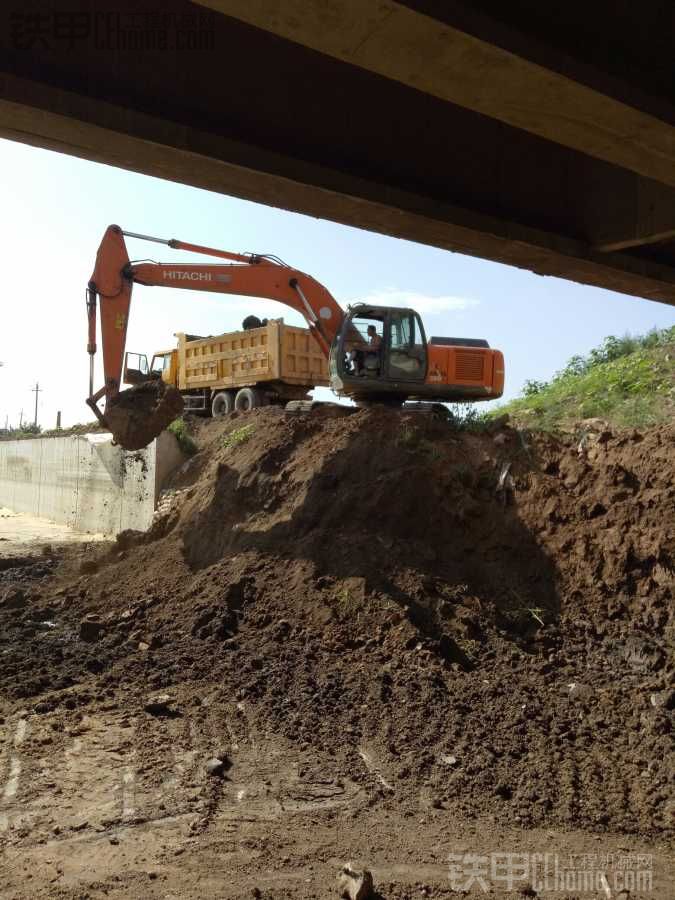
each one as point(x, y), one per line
point(481, 622)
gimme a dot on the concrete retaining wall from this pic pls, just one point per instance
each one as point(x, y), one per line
point(85, 482)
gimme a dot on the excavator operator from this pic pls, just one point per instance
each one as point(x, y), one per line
point(368, 361)
point(374, 340)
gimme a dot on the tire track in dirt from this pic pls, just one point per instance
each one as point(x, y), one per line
point(11, 786)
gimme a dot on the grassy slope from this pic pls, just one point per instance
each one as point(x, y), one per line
point(627, 381)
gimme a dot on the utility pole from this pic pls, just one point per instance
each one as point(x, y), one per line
point(36, 390)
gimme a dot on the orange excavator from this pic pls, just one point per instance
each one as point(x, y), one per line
point(376, 354)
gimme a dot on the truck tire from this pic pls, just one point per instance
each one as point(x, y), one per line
point(222, 404)
point(249, 398)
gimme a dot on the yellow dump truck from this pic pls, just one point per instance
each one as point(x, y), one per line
point(241, 370)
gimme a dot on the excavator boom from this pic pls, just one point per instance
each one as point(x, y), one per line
point(264, 279)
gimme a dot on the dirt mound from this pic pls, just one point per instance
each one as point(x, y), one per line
point(136, 416)
point(480, 622)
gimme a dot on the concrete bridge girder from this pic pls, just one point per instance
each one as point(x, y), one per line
point(448, 129)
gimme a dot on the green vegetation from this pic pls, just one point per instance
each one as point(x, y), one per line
point(629, 381)
point(25, 431)
point(238, 436)
point(180, 429)
point(461, 417)
point(468, 417)
point(344, 605)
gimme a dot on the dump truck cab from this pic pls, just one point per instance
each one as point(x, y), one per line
point(163, 365)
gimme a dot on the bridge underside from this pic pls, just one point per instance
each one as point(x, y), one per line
point(544, 139)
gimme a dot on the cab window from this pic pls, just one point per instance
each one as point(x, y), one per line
point(135, 368)
point(364, 327)
point(138, 361)
point(161, 364)
point(402, 331)
point(407, 354)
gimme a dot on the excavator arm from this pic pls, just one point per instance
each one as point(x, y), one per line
point(245, 274)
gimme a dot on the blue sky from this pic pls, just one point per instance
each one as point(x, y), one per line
point(55, 209)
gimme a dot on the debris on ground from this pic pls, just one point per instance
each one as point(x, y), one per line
point(355, 883)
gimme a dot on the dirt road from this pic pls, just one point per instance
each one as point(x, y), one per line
point(21, 533)
point(118, 806)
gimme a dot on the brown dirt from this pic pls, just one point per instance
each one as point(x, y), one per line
point(385, 627)
point(137, 415)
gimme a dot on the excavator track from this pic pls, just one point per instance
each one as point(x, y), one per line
point(435, 410)
point(304, 407)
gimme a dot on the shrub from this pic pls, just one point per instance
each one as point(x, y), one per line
point(532, 387)
point(467, 417)
point(179, 428)
point(238, 436)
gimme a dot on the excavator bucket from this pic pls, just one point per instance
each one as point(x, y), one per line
point(136, 416)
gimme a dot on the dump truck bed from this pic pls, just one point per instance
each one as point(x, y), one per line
point(274, 353)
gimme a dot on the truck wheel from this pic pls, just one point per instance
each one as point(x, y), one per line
point(249, 398)
point(222, 404)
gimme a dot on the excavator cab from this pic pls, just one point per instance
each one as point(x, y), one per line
point(380, 352)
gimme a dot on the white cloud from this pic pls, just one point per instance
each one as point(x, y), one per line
point(426, 304)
